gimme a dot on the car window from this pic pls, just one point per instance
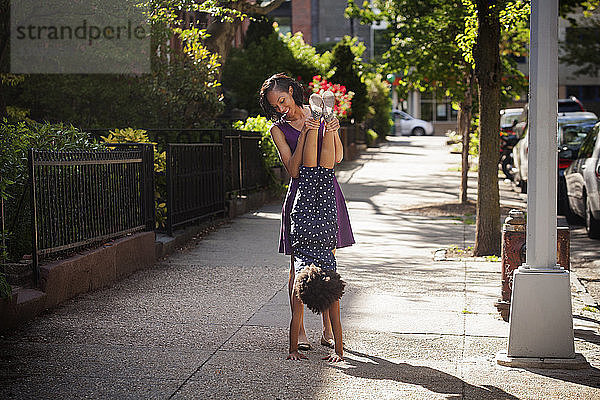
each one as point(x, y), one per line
point(507, 119)
point(573, 135)
point(568, 106)
point(587, 147)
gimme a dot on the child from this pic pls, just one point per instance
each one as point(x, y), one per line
point(313, 234)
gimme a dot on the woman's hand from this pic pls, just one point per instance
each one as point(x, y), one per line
point(311, 123)
point(333, 125)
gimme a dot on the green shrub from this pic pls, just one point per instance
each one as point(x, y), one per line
point(130, 135)
point(380, 106)
point(263, 55)
point(15, 141)
point(371, 137)
point(5, 288)
point(347, 65)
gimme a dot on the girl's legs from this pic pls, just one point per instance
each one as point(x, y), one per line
point(309, 154)
point(328, 150)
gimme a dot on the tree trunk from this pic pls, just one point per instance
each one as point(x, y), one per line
point(464, 129)
point(487, 70)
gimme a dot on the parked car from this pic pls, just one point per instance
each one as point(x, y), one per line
point(407, 125)
point(509, 117)
point(520, 150)
point(581, 178)
point(571, 136)
point(572, 104)
point(565, 107)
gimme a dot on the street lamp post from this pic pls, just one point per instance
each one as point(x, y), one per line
point(541, 321)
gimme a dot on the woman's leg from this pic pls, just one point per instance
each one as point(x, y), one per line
point(302, 333)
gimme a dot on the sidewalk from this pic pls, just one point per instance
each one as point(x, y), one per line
point(211, 322)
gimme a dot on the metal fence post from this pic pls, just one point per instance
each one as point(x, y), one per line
point(34, 239)
point(170, 201)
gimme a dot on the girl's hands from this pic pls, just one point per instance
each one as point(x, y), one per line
point(332, 125)
point(296, 355)
point(333, 358)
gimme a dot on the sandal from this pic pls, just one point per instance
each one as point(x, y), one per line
point(328, 104)
point(304, 346)
point(316, 106)
point(328, 342)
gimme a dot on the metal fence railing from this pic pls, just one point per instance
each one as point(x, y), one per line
point(195, 182)
point(83, 197)
point(244, 162)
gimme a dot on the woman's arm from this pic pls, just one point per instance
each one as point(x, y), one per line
point(334, 125)
point(290, 161)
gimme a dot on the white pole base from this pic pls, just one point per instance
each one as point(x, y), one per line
point(541, 319)
point(579, 362)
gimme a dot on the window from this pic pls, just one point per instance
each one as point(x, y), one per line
point(584, 93)
point(436, 109)
point(587, 148)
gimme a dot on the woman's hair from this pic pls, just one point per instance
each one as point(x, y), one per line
point(280, 82)
point(318, 288)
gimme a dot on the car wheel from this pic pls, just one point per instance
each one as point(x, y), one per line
point(418, 131)
point(507, 166)
point(592, 225)
point(572, 218)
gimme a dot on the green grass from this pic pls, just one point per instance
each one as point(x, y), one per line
point(591, 309)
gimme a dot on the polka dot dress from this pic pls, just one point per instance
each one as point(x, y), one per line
point(314, 219)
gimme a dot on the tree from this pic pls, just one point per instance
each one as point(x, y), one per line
point(424, 50)
point(435, 44)
point(486, 55)
point(346, 65)
point(581, 47)
point(222, 31)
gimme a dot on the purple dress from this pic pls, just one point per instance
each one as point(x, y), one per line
point(344, 233)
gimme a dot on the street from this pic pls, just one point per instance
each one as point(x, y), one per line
point(211, 321)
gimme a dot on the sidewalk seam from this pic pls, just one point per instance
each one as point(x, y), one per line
point(225, 342)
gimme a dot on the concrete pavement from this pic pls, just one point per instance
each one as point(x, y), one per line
point(211, 322)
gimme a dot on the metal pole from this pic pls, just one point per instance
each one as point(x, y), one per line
point(542, 155)
point(541, 321)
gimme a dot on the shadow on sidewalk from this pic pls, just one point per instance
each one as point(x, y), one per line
point(429, 378)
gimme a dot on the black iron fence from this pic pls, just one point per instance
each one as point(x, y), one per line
point(244, 162)
point(82, 197)
point(195, 182)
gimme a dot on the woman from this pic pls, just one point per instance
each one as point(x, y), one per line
point(282, 100)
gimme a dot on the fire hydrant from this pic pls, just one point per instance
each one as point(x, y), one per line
point(514, 250)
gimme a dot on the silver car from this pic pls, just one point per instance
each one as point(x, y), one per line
point(582, 178)
point(520, 151)
point(407, 125)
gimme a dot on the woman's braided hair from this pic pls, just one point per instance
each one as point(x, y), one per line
point(282, 83)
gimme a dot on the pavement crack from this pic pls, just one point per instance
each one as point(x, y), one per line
point(224, 343)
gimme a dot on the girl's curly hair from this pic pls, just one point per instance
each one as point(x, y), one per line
point(318, 288)
point(282, 83)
